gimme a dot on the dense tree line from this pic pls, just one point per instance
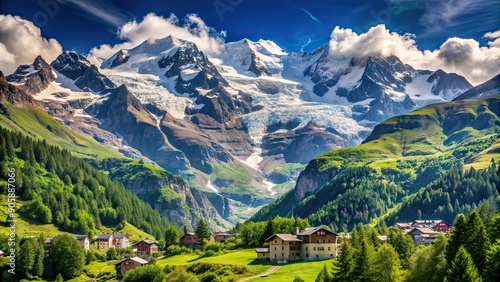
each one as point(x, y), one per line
point(64, 190)
point(455, 192)
point(466, 254)
point(254, 233)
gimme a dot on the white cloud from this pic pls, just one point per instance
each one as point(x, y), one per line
point(21, 42)
point(463, 56)
point(153, 27)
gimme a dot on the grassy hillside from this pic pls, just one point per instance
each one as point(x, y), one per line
point(402, 155)
point(37, 124)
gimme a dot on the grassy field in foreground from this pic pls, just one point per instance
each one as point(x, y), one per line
point(307, 270)
point(247, 257)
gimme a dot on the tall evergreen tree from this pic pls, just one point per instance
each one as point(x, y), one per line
point(387, 265)
point(458, 237)
point(268, 232)
point(477, 242)
point(27, 256)
point(171, 236)
point(492, 267)
point(343, 266)
point(324, 275)
point(463, 268)
point(202, 231)
point(403, 244)
point(364, 259)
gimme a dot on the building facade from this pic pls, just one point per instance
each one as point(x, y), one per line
point(105, 241)
point(128, 264)
point(147, 247)
point(121, 240)
point(314, 243)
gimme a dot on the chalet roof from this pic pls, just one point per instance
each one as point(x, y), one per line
point(423, 230)
point(404, 224)
point(262, 250)
point(223, 234)
point(150, 242)
point(104, 236)
point(137, 259)
point(120, 235)
point(312, 230)
point(285, 237)
point(427, 222)
point(80, 237)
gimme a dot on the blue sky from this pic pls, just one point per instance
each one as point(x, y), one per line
point(294, 25)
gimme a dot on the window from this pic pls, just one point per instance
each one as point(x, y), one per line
point(329, 248)
point(274, 241)
point(275, 248)
point(307, 255)
point(328, 240)
point(282, 248)
point(317, 241)
point(323, 241)
point(282, 255)
point(314, 249)
point(306, 248)
point(282, 242)
point(275, 255)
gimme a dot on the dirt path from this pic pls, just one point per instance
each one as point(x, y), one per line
point(267, 272)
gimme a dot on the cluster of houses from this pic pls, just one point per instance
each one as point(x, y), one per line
point(313, 243)
point(192, 241)
point(424, 231)
point(114, 240)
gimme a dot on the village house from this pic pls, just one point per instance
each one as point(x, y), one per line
point(189, 239)
point(146, 247)
point(221, 236)
point(83, 240)
point(434, 224)
point(423, 235)
point(313, 243)
point(121, 241)
point(127, 264)
point(105, 241)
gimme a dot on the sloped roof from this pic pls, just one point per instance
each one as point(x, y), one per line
point(80, 237)
point(285, 237)
point(423, 230)
point(312, 230)
point(120, 235)
point(137, 259)
point(262, 250)
point(104, 236)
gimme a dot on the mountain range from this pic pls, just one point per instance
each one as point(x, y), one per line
point(239, 126)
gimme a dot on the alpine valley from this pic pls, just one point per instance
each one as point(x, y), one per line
point(336, 141)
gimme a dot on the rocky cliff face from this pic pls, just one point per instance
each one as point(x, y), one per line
point(168, 194)
point(486, 89)
point(121, 113)
point(12, 94)
point(33, 78)
point(85, 75)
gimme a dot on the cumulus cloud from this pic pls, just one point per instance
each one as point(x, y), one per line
point(154, 27)
point(21, 42)
point(463, 56)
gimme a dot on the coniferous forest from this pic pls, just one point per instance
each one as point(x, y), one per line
point(64, 190)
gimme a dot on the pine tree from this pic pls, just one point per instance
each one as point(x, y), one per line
point(492, 266)
point(268, 232)
point(202, 231)
point(387, 265)
point(59, 278)
point(458, 238)
point(40, 255)
point(477, 240)
point(27, 256)
point(323, 275)
point(463, 268)
point(343, 266)
point(171, 236)
point(364, 259)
